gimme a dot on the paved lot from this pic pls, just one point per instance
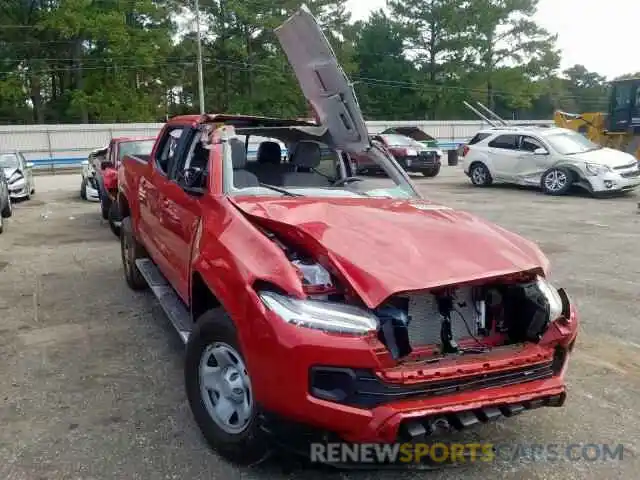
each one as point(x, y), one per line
point(91, 376)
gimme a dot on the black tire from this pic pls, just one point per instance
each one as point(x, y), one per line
point(2, 222)
point(131, 251)
point(480, 175)
point(105, 205)
point(83, 189)
point(247, 447)
point(431, 172)
point(7, 211)
point(115, 219)
point(556, 181)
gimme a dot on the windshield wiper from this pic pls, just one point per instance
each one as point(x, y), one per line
point(281, 190)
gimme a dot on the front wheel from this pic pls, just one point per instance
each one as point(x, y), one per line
point(219, 390)
point(556, 181)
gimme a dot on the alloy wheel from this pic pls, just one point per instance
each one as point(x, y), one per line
point(555, 181)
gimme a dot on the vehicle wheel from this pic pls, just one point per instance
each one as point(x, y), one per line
point(219, 391)
point(83, 189)
point(131, 251)
point(556, 181)
point(114, 219)
point(7, 211)
point(432, 172)
point(105, 205)
point(1, 224)
point(480, 175)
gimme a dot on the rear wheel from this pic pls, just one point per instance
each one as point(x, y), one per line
point(219, 390)
point(131, 251)
point(83, 189)
point(7, 211)
point(105, 205)
point(431, 172)
point(1, 224)
point(115, 220)
point(556, 181)
point(480, 175)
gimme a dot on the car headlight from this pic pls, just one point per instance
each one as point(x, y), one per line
point(320, 315)
point(552, 296)
point(410, 152)
point(16, 177)
point(596, 169)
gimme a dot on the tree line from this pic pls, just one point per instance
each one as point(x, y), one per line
point(102, 61)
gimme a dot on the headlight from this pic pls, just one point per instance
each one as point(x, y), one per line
point(596, 169)
point(552, 296)
point(16, 177)
point(319, 315)
point(410, 152)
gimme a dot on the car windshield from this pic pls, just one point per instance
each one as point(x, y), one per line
point(400, 140)
point(9, 160)
point(135, 147)
point(294, 163)
point(570, 143)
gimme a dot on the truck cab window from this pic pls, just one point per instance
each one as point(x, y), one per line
point(168, 149)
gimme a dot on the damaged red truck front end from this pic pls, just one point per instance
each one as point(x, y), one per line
point(446, 323)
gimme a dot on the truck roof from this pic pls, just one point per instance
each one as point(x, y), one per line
point(243, 121)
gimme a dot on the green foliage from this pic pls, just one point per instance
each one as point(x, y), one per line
point(122, 60)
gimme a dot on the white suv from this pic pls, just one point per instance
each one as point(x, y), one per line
point(552, 158)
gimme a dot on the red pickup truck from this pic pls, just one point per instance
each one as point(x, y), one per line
point(107, 174)
point(318, 302)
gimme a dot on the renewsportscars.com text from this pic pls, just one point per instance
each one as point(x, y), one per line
point(418, 453)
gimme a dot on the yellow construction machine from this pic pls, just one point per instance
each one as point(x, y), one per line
point(618, 128)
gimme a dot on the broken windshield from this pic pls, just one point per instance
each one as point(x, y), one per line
point(289, 162)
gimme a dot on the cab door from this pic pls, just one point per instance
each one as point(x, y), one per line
point(504, 155)
point(180, 210)
point(532, 163)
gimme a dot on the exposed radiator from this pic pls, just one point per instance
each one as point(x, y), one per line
point(426, 321)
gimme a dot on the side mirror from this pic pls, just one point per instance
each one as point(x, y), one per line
point(29, 164)
point(540, 151)
point(106, 164)
point(192, 180)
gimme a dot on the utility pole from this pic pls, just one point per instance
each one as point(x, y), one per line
point(200, 73)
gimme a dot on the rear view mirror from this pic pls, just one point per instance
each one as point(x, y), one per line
point(540, 151)
point(192, 180)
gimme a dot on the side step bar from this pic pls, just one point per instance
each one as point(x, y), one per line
point(173, 307)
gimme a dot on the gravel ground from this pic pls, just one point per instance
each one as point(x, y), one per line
point(92, 373)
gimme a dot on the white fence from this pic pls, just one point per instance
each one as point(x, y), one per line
point(54, 146)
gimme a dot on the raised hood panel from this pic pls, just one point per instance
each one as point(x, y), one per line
point(385, 246)
point(323, 81)
point(607, 156)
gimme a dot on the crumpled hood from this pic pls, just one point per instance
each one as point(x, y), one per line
point(606, 156)
point(386, 246)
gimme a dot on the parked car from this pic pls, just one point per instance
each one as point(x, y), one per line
point(89, 189)
point(6, 210)
point(19, 173)
point(553, 159)
point(415, 133)
point(404, 317)
point(106, 168)
point(410, 154)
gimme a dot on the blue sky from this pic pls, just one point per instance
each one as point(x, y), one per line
point(599, 35)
